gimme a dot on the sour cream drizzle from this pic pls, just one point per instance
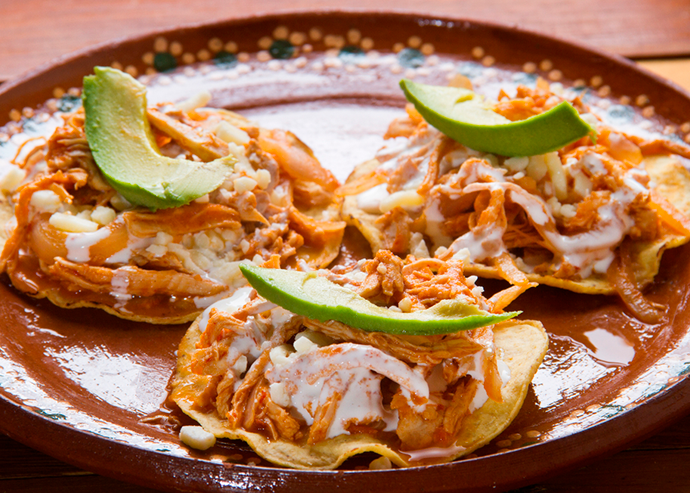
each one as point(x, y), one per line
point(590, 251)
point(79, 244)
point(229, 305)
point(354, 371)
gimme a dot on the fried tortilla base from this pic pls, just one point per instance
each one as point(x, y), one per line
point(521, 345)
point(317, 258)
point(672, 181)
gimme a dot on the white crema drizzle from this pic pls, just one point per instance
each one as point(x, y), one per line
point(355, 372)
point(588, 252)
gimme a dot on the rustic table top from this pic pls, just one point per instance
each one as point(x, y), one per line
point(655, 33)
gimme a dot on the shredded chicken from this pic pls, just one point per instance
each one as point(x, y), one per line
point(342, 366)
point(134, 281)
point(563, 215)
point(279, 203)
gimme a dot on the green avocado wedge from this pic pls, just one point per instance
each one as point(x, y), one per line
point(463, 116)
point(316, 297)
point(125, 150)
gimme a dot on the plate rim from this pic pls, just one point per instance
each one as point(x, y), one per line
point(162, 470)
point(674, 399)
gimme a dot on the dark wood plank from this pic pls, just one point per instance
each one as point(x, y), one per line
point(37, 31)
point(25, 470)
point(660, 463)
point(88, 483)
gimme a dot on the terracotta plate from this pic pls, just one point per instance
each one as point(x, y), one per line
point(91, 389)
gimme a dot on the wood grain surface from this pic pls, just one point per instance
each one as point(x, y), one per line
point(37, 31)
point(34, 32)
point(659, 463)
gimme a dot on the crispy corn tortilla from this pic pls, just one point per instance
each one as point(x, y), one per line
point(521, 345)
point(319, 224)
point(671, 180)
point(320, 258)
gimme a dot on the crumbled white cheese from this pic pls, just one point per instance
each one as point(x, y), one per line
point(11, 180)
point(103, 215)
point(45, 201)
point(162, 238)
point(185, 256)
point(278, 196)
point(556, 88)
point(263, 178)
point(316, 338)
point(418, 246)
point(202, 260)
point(441, 250)
point(157, 250)
point(231, 134)
point(582, 185)
point(199, 100)
point(216, 242)
point(463, 254)
point(231, 235)
point(240, 365)
point(554, 205)
point(568, 211)
point(381, 463)
point(557, 174)
point(201, 240)
point(197, 438)
point(119, 202)
point(229, 273)
point(72, 224)
point(244, 184)
point(516, 164)
point(536, 168)
point(238, 152)
point(278, 394)
point(279, 355)
point(304, 345)
point(85, 214)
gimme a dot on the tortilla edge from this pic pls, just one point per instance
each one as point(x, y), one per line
point(357, 444)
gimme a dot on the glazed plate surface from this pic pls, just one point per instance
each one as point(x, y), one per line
point(91, 389)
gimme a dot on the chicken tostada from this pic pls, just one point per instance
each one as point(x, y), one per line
point(202, 191)
point(593, 216)
point(309, 393)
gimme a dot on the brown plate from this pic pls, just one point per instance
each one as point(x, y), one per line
point(90, 389)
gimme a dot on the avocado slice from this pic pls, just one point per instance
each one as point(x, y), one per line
point(316, 297)
point(463, 116)
point(125, 150)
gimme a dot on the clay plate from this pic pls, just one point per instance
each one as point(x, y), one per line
point(90, 389)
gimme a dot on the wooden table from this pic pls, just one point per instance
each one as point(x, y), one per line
point(654, 32)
